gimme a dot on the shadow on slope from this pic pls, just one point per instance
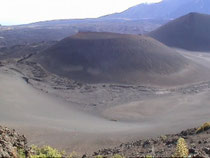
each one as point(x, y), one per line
point(191, 32)
point(108, 57)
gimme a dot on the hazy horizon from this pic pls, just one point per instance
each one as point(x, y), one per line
point(28, 11)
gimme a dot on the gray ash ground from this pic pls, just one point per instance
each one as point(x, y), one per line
point(97, 98)
point(163, 146)
point(91, 95)
point(97, 95)
point(111, 94)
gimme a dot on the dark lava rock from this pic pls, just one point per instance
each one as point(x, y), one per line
point(11, 142)
point(207, 150)
point(171, 141)
point(146, 143)
point(192, 151)
point(188, 132)
point(26, 79)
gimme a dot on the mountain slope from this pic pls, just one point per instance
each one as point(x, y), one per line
point(108, 57)
point(166, 9)
point(139, 19)
point(191, 32)
point(58, 29)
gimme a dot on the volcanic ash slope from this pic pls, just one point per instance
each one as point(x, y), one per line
point(118, 58)
point(191, 32)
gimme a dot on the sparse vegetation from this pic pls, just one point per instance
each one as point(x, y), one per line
point(117, 156)
point(204, 127)
point(21, 153)
point(167, 146)
point(181, 149)
point(163, 137)
point(45, 152)
point(73, 155)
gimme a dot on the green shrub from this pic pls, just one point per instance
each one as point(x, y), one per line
point(45, 152)
point(117, 156)
point(203, 128)
point(181, 149)
point(21, 153)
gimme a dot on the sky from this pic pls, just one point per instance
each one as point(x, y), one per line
point(27, 11)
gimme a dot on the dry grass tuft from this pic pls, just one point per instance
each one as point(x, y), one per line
point(203, 128)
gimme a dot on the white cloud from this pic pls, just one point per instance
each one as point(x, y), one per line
point(25, 11)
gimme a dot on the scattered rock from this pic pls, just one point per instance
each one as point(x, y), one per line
point(207, 150)
point(163, 146)
point(192, 151)
point(26, 79)
point(11, 142)
point(146, 143)
point(1, 64)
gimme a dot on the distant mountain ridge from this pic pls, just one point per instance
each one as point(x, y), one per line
point(191, 32)
point(166, 9)
point(56, 30)
point(139, 19)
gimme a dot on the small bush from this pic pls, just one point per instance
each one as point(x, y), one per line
point(73, 155)
point(45, 152)
point(163, 137)
point(181, 149)
point(21, 153)
point(203, 128)
point(117, 156)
